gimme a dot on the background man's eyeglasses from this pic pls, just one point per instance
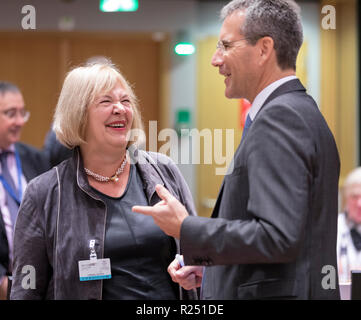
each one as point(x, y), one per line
point(12, 113)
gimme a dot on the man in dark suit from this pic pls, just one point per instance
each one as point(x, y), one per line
point(54, 150)
point(19, 164)
point(273, 229)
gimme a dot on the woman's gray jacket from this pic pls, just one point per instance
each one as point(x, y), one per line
point(60, 213)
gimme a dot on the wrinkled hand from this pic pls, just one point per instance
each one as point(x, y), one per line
point(188, 277)
point(168, 214)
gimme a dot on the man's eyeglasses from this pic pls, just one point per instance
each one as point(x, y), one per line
point(12, 113)
point(225, 45)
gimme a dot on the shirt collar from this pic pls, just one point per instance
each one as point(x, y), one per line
point(10, 149)
point(265, 93)
point(352, 225)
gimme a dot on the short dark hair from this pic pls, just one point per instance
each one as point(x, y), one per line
point(8, 87)
point(278, 19)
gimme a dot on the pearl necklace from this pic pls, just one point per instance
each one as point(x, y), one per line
point(113, 178)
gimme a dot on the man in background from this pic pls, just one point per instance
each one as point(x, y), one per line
point(54, 150)
point(349, 227)
point(19, 163)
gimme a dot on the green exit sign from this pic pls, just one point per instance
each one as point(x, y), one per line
point(118, 5)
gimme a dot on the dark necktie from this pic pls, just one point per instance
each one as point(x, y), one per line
point(10, 201)
point(246, 126)
point(356, 239)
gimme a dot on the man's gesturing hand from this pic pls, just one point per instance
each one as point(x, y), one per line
point(168, 214)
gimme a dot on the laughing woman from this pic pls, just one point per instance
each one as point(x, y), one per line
point(75, 226)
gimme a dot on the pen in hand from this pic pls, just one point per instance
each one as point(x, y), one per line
point(180, 259)
point(188, 278)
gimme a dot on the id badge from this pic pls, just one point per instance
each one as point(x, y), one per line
point(95, 269)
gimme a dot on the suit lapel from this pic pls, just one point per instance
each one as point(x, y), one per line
point(289, 86)
point(219, 198)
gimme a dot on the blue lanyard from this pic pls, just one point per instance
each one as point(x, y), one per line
point(12, 193)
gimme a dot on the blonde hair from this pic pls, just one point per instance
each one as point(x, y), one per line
point(81, 87)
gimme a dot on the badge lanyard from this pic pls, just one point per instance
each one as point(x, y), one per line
point(16, 197)
point(93, 254)
point(94, 268)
